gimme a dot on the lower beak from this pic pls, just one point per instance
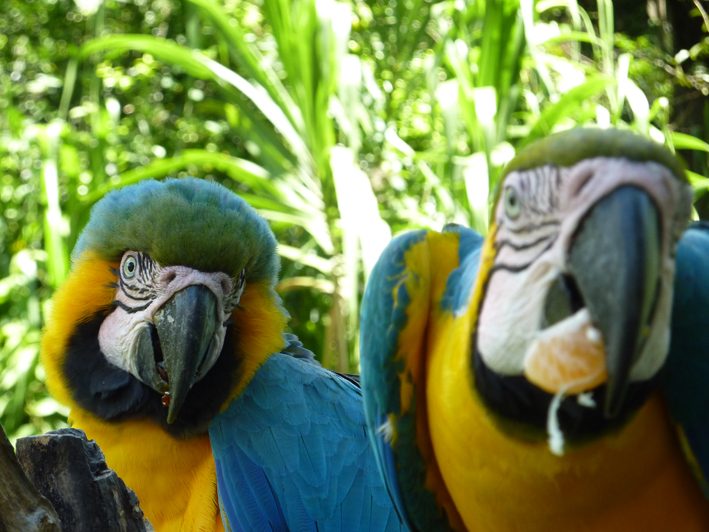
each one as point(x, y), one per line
point(185, 327)
point(615, 260)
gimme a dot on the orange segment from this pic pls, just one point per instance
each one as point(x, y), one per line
point(570, 360)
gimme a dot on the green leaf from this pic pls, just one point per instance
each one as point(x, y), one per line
point(308, 259)
point(477, 187)
point(682, 141)
point(199, 65)
point(251, 58)
point(699, 183)
point(54, 221)
point(359, 209)
point(165, 49)
point(569, 104)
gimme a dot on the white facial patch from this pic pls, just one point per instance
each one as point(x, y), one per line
point(509, 324)
point(143, 287)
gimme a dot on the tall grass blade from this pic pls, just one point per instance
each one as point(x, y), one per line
point(58, 265)
point(477, 187)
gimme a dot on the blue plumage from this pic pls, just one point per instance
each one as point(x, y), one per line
point(292, 453)
point(686, 376)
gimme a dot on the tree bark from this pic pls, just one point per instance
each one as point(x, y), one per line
point(72, 473)
point(22, 507)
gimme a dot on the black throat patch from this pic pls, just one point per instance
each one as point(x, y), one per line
point(521, 408)
point(115, 395)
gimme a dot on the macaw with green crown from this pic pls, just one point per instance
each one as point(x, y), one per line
point(554, 375)
point(167, 342)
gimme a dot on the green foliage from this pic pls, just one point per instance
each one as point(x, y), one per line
point(340, 122)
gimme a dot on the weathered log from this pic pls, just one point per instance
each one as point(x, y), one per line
point(72, 473)
point(22, 507)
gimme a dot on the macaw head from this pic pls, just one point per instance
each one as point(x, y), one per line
point(169, 308)
point(574, 296)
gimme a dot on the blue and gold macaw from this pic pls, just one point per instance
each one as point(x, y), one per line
point(167, 342)
point(552, 376)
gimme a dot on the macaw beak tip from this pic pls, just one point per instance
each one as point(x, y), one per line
point(172, 413)
point(614, 398)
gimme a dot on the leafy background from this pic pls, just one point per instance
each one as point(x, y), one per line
point(342, 122)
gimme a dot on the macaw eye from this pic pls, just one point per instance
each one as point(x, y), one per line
point(512, 203)
point(129, 267)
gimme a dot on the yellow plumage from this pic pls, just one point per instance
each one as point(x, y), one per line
point(73, 304)
point(175, 480)
point(428, 264)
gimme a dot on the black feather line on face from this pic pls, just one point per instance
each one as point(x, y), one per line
point(115, 395)
point(522, 408)
point(130, 310)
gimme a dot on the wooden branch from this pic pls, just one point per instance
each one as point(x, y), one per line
point(72, 473)
point(22, 507)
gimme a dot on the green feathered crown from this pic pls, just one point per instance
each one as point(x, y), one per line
point(187, 222)
point(570, 147)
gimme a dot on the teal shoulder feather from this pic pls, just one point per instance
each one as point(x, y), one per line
point(686, 374)
point(461, 282)
point(383, 317)
point(386, 311)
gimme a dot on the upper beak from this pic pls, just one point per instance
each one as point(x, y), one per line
point(185, 326)
point(615, 260)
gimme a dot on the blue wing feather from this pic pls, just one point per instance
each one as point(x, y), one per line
point(687, 369)
point(383, 319)
point(292, 453)
point(385, 314)
point(254, 498)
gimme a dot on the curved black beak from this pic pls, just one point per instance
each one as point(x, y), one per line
point(615, 260)
point(170, 356)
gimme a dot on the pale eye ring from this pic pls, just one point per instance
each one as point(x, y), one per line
point(513, 205)
point(130, 266)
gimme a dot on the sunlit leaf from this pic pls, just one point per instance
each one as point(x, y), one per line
point(566, 106)
point(682, 141)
